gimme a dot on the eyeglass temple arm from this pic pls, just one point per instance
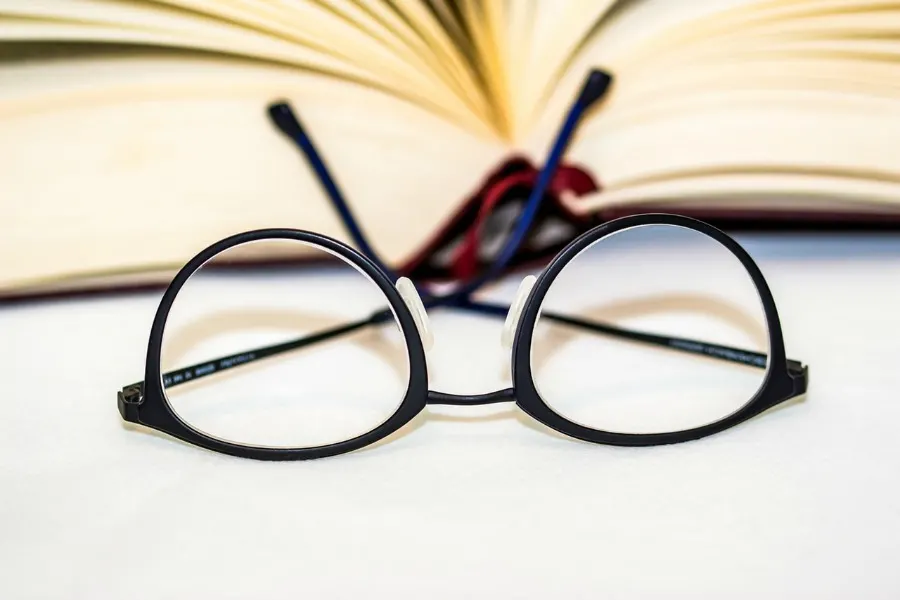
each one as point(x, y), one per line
point(726, 353)
point(224, 363)
point(592, 90)
point(288, 123)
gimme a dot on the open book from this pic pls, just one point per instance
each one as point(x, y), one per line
point(134, 132)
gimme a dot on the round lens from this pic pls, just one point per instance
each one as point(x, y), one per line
point(281, 355)
point(652, 329)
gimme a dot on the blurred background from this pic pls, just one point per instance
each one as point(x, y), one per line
point(133, 133)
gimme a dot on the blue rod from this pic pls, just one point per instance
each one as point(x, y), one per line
point(594, 88)
point(289, 124)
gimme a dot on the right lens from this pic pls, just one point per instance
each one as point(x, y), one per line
point(225, 318)
point(666, 280)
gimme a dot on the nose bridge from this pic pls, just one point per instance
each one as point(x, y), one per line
point(507, 395)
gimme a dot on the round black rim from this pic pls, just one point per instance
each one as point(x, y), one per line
point(156, 411)
point(776, 384)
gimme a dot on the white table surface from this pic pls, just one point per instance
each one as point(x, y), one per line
point(466, 502)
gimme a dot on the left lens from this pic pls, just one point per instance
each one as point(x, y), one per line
point(222, 377)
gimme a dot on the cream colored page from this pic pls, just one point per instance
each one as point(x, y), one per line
point(759, 15)
point(26, 30)
point(308, 25)
point(439, 53)
point(485, 24)
point(157, 157)
point(764, 138)
point(346, 33)
point(557, 29)
point(856, 65)
point(755, 102)
point(102, 20)
point(434, 41)
point(312, 45)
point(872, 35)
point(519, 25)
point(857, 23)
point(431, 29)
point(627, 26)
point(750, 50)
point(795, 53)
point(760, 191)
point(649, 30)
point(632, 29)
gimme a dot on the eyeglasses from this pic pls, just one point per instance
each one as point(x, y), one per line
point(247, 361)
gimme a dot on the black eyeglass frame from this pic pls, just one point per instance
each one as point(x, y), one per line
point(146, 403)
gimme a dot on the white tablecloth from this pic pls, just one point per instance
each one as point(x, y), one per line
point(467, 502)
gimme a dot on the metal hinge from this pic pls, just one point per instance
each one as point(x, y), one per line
point(129, 399)
point(132, 394)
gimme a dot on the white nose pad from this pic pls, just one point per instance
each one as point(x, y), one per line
point(515, 311)
point(413, 302)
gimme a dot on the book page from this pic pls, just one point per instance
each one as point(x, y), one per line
point(758, 93)
point(134, 163)
point(341, 27)
point(765, 144)
point(441, 47)
point(557, 30)
point(613, 38)
point(308, 36)
point(762, 193)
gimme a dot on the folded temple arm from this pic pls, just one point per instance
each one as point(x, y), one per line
point(716, 351)
point(726, 353)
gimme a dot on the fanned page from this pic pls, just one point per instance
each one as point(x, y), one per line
point(133, 132)
point(180, 153)
point(743, 105)
point(304, 34)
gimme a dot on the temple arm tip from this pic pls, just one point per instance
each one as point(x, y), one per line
point(595, 86)
point(799, 375)
point(128, 399)
point(284, 118)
